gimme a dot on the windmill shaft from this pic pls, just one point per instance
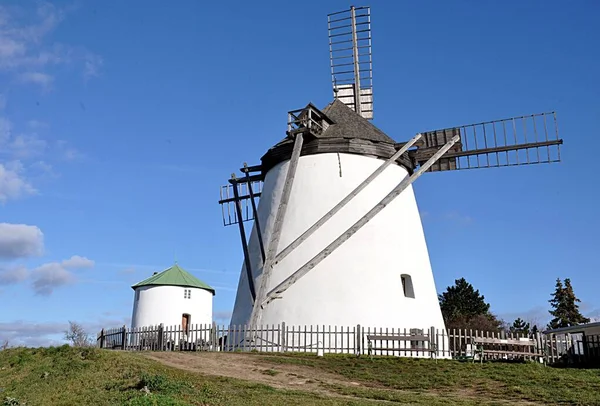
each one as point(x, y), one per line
point(289, 281)
point(292, 246)
point(275, 236)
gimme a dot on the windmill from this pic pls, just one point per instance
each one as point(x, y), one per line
point(337, 237)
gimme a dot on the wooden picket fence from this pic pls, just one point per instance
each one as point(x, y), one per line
point(356, 340)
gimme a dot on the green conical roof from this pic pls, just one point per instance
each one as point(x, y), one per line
point(174, 276)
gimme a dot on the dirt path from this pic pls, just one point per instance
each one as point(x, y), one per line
point(252, 368)
point(249, 367)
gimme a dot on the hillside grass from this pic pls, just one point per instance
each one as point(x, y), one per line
point(464, 382)
point(71, 376)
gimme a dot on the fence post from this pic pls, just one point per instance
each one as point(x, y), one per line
point(161, 337)
point(433, 342)
point(123, 337)
point(102, 338)
point(213, 337)
point(357, 341)
point(282, 337)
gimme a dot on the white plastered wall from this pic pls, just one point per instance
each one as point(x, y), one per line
point(360, 282)
point(167, 304)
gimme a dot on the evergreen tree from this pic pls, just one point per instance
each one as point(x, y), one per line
point(464, 307)
point(519, 326)
point(566, 310)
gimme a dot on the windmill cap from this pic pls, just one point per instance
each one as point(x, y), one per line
point(348, 132)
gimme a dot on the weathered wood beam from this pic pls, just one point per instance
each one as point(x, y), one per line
point(276, 234)
point(307, 267)
point(294, 244)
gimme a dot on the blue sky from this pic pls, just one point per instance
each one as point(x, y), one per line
point(119, 122)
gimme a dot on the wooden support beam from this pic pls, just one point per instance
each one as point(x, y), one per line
point(293, 278)
point(294, 244)
point(276, 234)
point(238, 209)
point(256, 221)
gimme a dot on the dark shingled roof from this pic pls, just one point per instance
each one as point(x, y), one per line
point(349, 124)
point(349, 133)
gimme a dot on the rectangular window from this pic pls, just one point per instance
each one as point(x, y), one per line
point(187, 293)
point(407, 286)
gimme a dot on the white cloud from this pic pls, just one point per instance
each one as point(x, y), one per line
point(43, 79)
point(13, 183)
point(32, 334)
point(26, 146)
point(24, 48)
point(20, 153)
point(77, 262)
point(9, 276)
point(48, 277)
point(36, 124)
point(20, 241)
point(5, 130)
point(52, 275)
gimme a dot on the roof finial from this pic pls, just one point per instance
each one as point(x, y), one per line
point(175, 256)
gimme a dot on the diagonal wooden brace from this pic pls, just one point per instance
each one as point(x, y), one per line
point(294, 244)
point(290, 280)
point(276, 234)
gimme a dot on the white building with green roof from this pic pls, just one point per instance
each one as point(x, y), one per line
point(172, 297)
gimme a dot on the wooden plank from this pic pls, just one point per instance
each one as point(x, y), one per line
point(530, 354)
point(504, 341)
point(276, 234)
point(408, 349)
point(398, 337)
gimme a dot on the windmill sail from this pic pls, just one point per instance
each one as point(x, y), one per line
point(522, 140)
point(350, 58)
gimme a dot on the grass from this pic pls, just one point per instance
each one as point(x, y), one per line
point(70, 376)
point(453, 380)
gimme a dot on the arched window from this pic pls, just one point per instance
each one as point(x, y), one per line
point(407, 286)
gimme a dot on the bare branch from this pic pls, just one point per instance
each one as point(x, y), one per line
point(77, 335)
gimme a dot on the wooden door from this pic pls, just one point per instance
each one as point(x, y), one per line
point(185, 323)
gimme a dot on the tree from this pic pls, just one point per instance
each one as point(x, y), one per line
point(566, 310)
point(77, 335)
point(519, 326)
point(463, 307)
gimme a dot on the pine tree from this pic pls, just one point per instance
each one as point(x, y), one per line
point(519, 326)
point(464, 307)
point(566, 310)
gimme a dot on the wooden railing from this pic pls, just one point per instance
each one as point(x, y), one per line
point(357, 340)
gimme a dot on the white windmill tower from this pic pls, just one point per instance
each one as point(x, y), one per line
point(337, 237)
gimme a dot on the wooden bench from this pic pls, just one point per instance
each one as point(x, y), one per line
point(431, 348)
point(524, 347)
